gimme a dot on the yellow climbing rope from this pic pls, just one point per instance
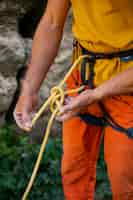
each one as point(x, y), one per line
point(55, 101)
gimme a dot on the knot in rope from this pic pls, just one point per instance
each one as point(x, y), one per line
point(58, 96)
point(55, 101)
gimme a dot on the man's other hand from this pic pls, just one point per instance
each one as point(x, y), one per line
point(25, 110)
point(74, 105)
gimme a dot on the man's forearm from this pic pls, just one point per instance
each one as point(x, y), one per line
point(45, 46)
point(118, 85)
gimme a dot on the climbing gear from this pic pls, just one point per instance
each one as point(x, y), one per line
point(56, 100)
point(87, 78)
point(105, 120)
point(88, 64)
point(81, 142)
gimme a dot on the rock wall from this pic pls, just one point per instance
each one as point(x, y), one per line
point(18, 20)
point(12, 50)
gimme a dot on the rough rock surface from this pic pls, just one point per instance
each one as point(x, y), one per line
point(13, 49)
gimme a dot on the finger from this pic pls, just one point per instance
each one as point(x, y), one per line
point(20, 121)
point(66, 116)
point(27, 120)
point(67, 100)
point(64, 109)
point(74, 104)
point(32, 114)
point(27, 115)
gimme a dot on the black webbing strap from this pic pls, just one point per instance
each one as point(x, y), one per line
point(117, 54)
point(93, 57)
point(106, 120)
point(91, 72)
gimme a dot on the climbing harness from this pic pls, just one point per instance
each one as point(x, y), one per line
point(58, 94)
point(87, 77)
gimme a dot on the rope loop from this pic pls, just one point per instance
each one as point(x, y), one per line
point(58, 99)
point(55, 101)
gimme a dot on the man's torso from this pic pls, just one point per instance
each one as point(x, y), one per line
point(105, 25)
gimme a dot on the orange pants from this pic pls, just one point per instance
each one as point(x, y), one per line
point(81, 143)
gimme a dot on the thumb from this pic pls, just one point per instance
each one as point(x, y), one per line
point(27, 115)
point(27, 120)
point(22, 115)
point(69, 107)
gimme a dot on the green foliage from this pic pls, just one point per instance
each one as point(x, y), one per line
point(103, 191)
point(17, 159)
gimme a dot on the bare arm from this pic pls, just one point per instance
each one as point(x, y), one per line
point(45, 47)
point(118, 85)
point(46, 43)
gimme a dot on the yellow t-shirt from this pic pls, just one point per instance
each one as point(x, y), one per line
point(103, 25)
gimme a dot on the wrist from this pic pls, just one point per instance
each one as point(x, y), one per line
point(27, 88)
point(98, 94)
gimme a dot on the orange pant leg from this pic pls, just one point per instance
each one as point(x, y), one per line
point(81, 146)
point(119, 148)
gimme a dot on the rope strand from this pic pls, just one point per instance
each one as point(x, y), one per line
point(55, 101)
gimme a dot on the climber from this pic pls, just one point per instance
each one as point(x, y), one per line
point(105, 32)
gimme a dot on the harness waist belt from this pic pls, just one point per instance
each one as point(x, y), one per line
point(98, 55)
point(106, 120)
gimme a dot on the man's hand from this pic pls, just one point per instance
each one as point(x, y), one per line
point(121, 84)
point(25, 110)
point(74, 105)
